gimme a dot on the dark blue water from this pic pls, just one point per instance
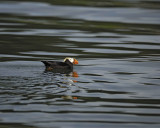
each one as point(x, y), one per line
point(116, 83)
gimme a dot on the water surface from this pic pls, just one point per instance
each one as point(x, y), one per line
point(116, 83)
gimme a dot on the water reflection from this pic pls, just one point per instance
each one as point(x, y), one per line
point(117, 81)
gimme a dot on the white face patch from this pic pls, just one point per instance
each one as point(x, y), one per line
point(70, 59)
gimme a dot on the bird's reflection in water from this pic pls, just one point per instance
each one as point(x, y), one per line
point(69, 97)
point(69, 73)
point(64, 79)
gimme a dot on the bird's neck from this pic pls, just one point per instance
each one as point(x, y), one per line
point(69, 63)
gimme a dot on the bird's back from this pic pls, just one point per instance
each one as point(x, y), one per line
point(56, 65)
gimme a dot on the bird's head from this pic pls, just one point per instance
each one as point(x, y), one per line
point(72, 60)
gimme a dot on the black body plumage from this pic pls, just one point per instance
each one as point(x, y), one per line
point(67, 65)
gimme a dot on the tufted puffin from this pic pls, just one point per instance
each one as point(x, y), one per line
point(67, 64)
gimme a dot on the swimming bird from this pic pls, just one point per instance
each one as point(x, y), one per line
point(67, 64)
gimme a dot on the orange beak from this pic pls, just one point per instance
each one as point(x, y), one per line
point(75, 61)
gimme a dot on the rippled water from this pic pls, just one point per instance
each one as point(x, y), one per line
point(116, 83)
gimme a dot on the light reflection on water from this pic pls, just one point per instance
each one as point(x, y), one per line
point(116, 83)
